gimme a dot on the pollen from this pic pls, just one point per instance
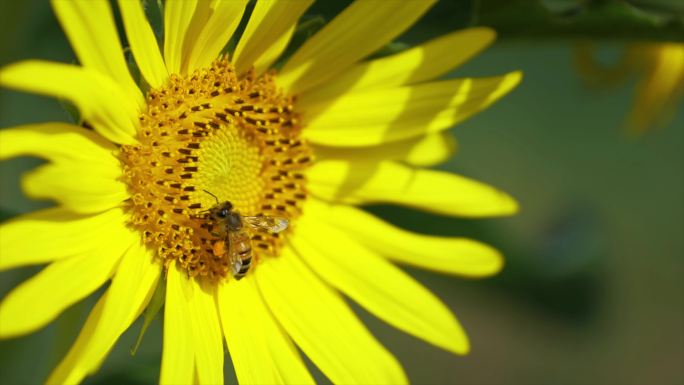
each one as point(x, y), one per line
point(214, 136)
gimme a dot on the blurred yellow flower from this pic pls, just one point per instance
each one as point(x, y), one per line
point(660, 87)
point(661, 80)
point(137, 194)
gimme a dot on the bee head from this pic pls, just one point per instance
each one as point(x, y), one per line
point(223, 210)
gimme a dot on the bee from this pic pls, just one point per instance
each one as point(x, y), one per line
point(230, 227)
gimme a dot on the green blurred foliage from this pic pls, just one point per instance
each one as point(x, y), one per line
point(592, 291)
point(617, 19)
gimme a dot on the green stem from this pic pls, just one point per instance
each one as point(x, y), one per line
point(596, 20)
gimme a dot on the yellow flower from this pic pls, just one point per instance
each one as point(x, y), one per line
point(660, 87)
point(305, 144)
point(660, 67)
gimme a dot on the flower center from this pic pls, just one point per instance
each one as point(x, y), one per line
point(207, 139)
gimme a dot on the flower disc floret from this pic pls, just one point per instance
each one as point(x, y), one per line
point(214, 133)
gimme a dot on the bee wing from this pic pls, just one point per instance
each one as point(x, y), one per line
point(272, 224)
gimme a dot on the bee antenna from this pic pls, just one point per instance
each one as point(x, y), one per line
point(217, 200)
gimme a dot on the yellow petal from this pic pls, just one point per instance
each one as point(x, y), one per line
point(207, 340)
point(323, 326)
point(131, 289)
point(61, 375)
point(262, 353)
point(177, 17)
point(268, 31)
point(389, 182)
point(660, 89)
point(178, 356)
point(378, 116)
point(362, 28)
point(53, 234)
point(143, 43)
point(460, 256)
point(423, 62)
point(85, 176)
point(100, 100)
point(396, 298)
point(212, 26)
point(427, 150)
point(80, 187)
point(89, 25)
point(57, 142)
point(62, 284)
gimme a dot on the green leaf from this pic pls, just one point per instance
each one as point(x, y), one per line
point(72, 111)
point(156, 303)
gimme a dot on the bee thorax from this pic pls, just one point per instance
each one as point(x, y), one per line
point(233, 221)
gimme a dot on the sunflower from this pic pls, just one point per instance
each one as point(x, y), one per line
point(141, 183)
point(660, 88)
point(659, 67)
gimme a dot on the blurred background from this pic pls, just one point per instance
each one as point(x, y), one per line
point(593, 288)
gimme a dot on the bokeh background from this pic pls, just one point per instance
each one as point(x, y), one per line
point(593, 288)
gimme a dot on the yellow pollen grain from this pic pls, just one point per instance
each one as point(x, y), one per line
point(236, 138)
